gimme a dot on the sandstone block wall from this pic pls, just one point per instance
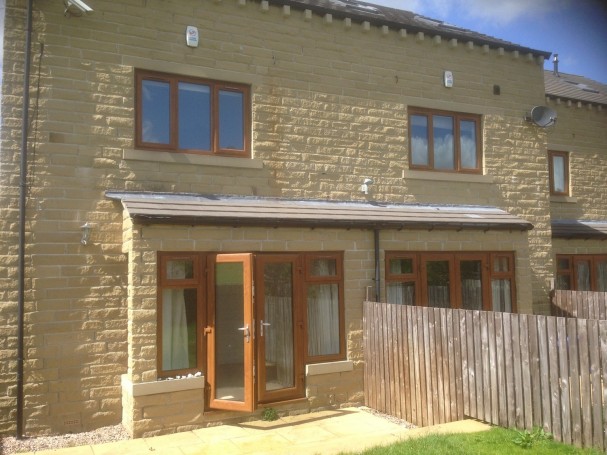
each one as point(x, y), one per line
point(330, 103)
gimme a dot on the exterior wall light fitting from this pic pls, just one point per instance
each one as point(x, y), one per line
point(86, 233)
point(364, 188)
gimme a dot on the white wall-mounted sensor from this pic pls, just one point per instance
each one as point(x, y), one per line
point(191, 36)
point(448, 79)
point(76, 8)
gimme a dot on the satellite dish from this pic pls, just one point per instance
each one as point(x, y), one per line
point(542, 116)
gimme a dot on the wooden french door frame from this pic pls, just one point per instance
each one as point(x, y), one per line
point(266, 329)
point(230, 327)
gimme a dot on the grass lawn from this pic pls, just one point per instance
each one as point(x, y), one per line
point(493, 442)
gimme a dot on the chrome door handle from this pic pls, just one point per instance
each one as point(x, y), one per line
point(246, 332)
point(262, 325)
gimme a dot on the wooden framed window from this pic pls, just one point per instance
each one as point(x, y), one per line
point(581, 272)
point(187, 114)
point(180, 314)
point(444, 141)
point(468, 280)
point(324, 315)
point(558, 163)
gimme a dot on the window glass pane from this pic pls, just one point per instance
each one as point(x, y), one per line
point(401, 293)
point(563, 282)
point(500, 264)
point(323, 267)
point(601, 275)
point(583, 275)
point(467, 140)
point(563, 263)
point(231, 120)
point(194, 116)
point(444, 156)
point(471, 284)
point(180, 269)
point(155, 112)
point(558, 173)
point(178, 329)
point(501, 295)
point(401, 266)
point(438, 284)
point(419, 140)
point(323, 319)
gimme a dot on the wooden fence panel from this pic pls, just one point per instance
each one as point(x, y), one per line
point(579, 304)
point(430, 366)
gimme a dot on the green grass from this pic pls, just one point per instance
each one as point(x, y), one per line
point(493, 442)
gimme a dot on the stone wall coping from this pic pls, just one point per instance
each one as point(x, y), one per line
point(446, 176)
point(342, 366)
point(191, 158)
point(157, 387)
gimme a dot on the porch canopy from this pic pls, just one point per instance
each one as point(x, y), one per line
point(164, 208)
point(579, 229)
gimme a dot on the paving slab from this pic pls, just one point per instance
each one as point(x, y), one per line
point(325, 432)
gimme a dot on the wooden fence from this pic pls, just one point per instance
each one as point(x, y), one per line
point(430, 365)
point(579, 304)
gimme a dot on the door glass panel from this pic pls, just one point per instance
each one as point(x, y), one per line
point(229, 320)
point(438, 284)
point(179, 346)
point(471, 285)
point(276, 329)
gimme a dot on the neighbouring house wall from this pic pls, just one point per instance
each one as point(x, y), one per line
point(581, 130)
point(329, 109)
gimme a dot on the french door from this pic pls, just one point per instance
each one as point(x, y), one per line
point(254, 348)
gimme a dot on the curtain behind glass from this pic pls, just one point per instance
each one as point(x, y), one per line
point(601, 280)
point(174, 330)
point(501, 296)
point(401, 293)
point(323, 311)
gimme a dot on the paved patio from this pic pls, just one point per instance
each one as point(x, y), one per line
point(326, 432)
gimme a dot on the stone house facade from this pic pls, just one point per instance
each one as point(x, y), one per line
point(202, 223)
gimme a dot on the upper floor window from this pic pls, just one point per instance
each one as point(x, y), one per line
point(444, 141)
point(559, 173)
point(189, 114)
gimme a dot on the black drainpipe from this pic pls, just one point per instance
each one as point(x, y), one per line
point(22, 202)
point(377, 283)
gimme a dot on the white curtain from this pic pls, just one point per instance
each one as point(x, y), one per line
point(583, 276)
point(602, 276)
point(174, 330)
point(279, 339)
point(401, 293)
point(472, 294)
point(500, 295)
point(323, 319)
